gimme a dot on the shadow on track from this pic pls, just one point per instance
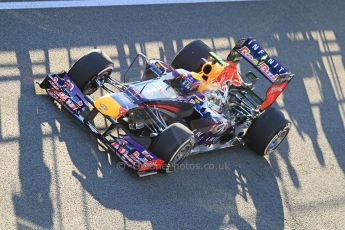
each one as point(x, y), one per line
point(33, 207)
point(190, 199)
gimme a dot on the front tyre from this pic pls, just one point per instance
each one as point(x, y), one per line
point(89, 68)
point(267, 132)
point(173, 145)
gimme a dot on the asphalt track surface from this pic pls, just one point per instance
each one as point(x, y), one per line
point(53, 174)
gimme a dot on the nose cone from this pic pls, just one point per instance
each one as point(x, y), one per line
point(107, 105)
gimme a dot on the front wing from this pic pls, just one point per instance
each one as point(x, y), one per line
point(62, 89)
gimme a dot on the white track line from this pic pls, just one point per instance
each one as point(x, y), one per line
point(95, 3)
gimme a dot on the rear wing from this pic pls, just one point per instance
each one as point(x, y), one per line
point(269, 67)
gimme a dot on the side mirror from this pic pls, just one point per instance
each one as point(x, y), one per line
point(250, 79)
point(217, 59)
point(234, 56)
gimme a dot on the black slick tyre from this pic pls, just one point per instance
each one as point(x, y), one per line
point(189, 57)
point(267, 132)
point(173, 145)
point(89, 68)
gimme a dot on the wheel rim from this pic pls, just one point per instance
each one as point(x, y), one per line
point(92, 86)
point(277, 139)
point(181, 154)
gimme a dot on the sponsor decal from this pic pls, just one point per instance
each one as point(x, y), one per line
point(69, 84)
point(122, 150)
point(130, 160)
point(266, 70)
point(272, 94)
point(255, 54)
point(147, 155)
point(134, 156)
point(62, 98)
point(80, 103)
point(277, 88)
point(115, 145)
point(103, 107)
point(245, 51)
point(229, 73)
point(62, 92)
point(155, 164)
point(71, 104)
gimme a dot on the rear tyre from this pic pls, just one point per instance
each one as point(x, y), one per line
point(267, 132)
point(173, 145)
point(90, 68)
point(189, 57)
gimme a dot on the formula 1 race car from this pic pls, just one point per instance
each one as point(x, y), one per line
point(197, 104)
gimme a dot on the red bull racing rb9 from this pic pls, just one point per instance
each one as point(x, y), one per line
point(195, 104)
